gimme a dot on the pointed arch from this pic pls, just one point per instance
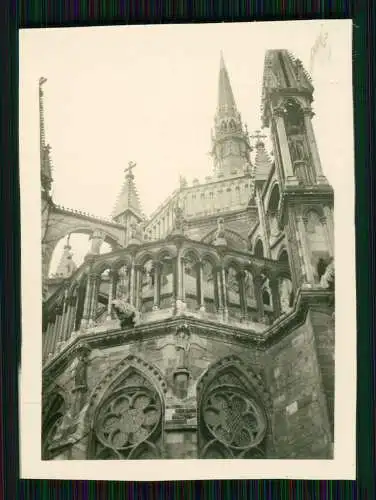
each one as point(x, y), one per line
point(166, 253)
point(259, 249)
point(283, 255)
point(273, 200)
point(54, 407)
point(144, 257)
point(212, 258)
point(125, 412)
point(100, 267)
point(233, 410)
point(233, 239)
point(120, 262)
point(230, 261)
point(190, 253)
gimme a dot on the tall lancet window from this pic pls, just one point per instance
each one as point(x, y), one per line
point(272, 213)
point(297, 141)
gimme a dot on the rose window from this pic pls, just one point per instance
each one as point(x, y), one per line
point(233, 418)
point(129, 418)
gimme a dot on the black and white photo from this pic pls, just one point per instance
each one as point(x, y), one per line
point(184, 185)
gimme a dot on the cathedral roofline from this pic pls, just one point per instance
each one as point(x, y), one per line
point(194, 187)
point(87, 216)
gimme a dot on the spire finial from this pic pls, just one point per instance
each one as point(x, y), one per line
point(222, 60)
point(128, 170)
point(258, 136)
point(128, 198)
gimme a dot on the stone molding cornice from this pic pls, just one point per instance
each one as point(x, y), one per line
point(307, 297)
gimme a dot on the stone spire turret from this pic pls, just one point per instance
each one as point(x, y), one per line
point(230, 142)
point(45, 160)
point(66, 266)
point(226, 99)
point(262, 160)
point(128, 210)
point(128, 201)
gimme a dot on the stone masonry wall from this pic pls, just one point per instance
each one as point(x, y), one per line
point(296, 371)
point(300, 422)
point(323, 327)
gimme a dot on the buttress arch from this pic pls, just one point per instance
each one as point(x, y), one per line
point(61, 229)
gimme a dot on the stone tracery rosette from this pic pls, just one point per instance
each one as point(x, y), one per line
point(128, 423)
point(233, 418)
point(232, 423)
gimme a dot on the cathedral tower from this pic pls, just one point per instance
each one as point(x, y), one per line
point(305, 209)
point(230, 142)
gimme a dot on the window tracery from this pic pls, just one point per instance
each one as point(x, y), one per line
point(51, 423)
point(232, 422)
point(128, 423)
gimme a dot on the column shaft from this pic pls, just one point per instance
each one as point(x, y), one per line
point(257, 280)
point(276, 300)
point(313, 148)
point(284, 148)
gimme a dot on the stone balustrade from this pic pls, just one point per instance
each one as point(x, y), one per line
point(158, 281)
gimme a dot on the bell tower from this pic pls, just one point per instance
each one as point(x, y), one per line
point(306, 208)
point(230, 140)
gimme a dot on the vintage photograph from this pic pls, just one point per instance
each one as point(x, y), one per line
point(187, 240)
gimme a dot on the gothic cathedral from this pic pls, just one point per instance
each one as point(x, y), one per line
point(208, 329)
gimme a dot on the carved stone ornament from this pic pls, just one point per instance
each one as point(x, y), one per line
point(220, 239)
point(136, 233)
point(233, 418)
point(182, 344)
point(279, 111)
point(125, 312)
point(327, 279)
point(179, 219)
point(128, 418)
point(97, 239)
point(80, 374)
point(181, 375)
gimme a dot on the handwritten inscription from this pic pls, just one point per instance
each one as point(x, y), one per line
point(322, 42)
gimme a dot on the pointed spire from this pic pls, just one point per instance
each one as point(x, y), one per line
point(230, 141)
point(128, 199)
point(66, 266)
point(45, 160)
point(226, 99)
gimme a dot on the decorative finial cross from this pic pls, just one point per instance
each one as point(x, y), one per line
point(258, 136)
point(130, 167)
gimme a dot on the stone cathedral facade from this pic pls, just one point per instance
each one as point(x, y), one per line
point(208, 329)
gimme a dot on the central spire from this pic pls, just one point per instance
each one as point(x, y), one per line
point(226, 99)
point(231, 147)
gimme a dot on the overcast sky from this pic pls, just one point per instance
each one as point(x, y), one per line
point(148, 94)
